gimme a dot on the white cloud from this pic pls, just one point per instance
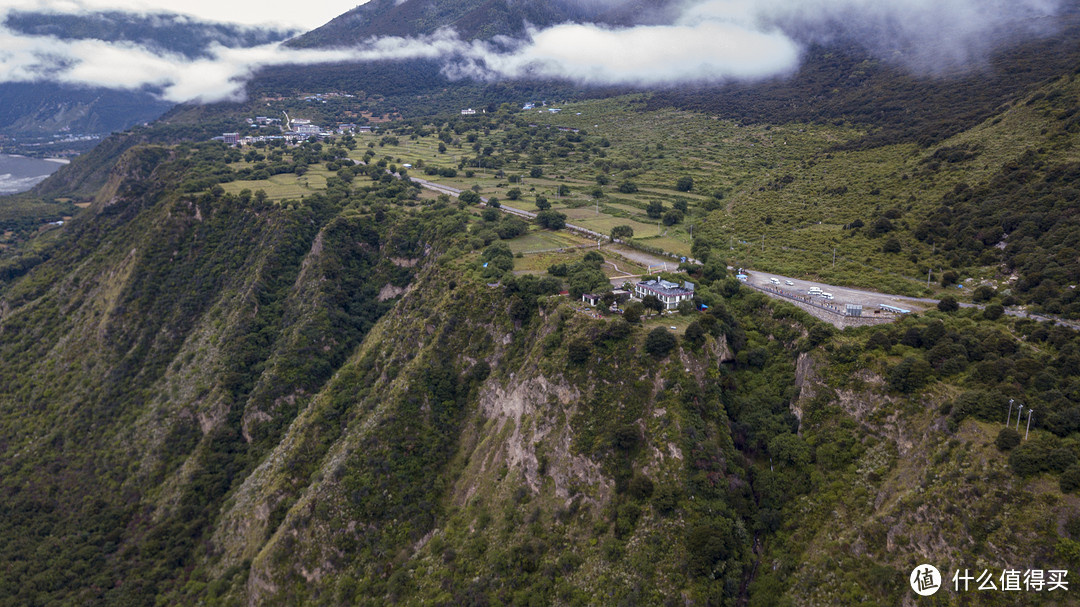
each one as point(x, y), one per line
point(710, 41)
point(650, 55)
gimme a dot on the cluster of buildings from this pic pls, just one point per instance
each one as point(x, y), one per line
point(297, 129)
point(669, 293)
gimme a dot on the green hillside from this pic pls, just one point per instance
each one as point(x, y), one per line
point(289, 375)
point(207, 399)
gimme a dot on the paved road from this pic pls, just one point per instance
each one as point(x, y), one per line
point(841, 295)
point(872, 299)
point(455, 192)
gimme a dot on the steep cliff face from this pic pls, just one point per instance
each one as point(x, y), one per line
point(213, 399)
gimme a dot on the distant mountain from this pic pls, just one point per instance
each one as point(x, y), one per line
point(39, 110)
point(845, 75)
point(166, 32)
point(472, 19)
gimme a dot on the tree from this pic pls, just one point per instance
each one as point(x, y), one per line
point(564, 190)
point(652, 302)
point(655, 209)
point(672, 217)
point(622, 232)
point(628, 187)
point(602, 179)
point(659, 342)
point(685, 183)
point(633, 311)
point(469, 197)
point(993, 311)
point(892, 245)
point(542, 203)
point(514, 193)
point(551, 220)
point(948, 304)
point(911, 374)
point(681, 205)
point(536, 172)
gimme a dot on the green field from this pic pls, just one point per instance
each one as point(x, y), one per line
point(285, 186)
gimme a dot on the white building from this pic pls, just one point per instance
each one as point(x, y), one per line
point(669, 293)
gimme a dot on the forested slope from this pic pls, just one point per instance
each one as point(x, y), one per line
point(350, 399)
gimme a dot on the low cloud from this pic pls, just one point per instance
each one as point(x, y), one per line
point(709, 41)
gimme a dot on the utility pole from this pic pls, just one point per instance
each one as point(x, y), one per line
point(1028, 424)
point(1009, 416)
point(928, 272)
point(1018, 414)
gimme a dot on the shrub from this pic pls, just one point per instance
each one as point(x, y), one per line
point(1069, 482)
point(659, 342)
point(911, 374)
point(1007, 439)
point(948, 304)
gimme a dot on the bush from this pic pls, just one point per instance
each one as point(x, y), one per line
point(911, 374)
point(640, 486)
point(551, 220)
point(695, 334)
point(993, 311)
point(684, 184)
point(948, 304)
point(1060, 460)
point(1070, 481)
point(1007, 439)
point(577, 352)
point(659, 342)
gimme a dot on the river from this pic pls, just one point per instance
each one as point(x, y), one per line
point(19, 173)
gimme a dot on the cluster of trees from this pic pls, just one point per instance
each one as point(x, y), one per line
point(1026, 208)
point(583, 276)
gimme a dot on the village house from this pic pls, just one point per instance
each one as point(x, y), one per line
point(669, 293)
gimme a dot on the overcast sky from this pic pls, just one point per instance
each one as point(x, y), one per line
point(305, 15)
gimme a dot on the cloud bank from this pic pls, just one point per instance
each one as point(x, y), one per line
point(708, 41)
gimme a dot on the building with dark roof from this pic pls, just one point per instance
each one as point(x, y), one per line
point(669, 293)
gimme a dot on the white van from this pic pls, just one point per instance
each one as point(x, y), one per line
point(826, 295)
point(774, 280)
point(814, 291)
